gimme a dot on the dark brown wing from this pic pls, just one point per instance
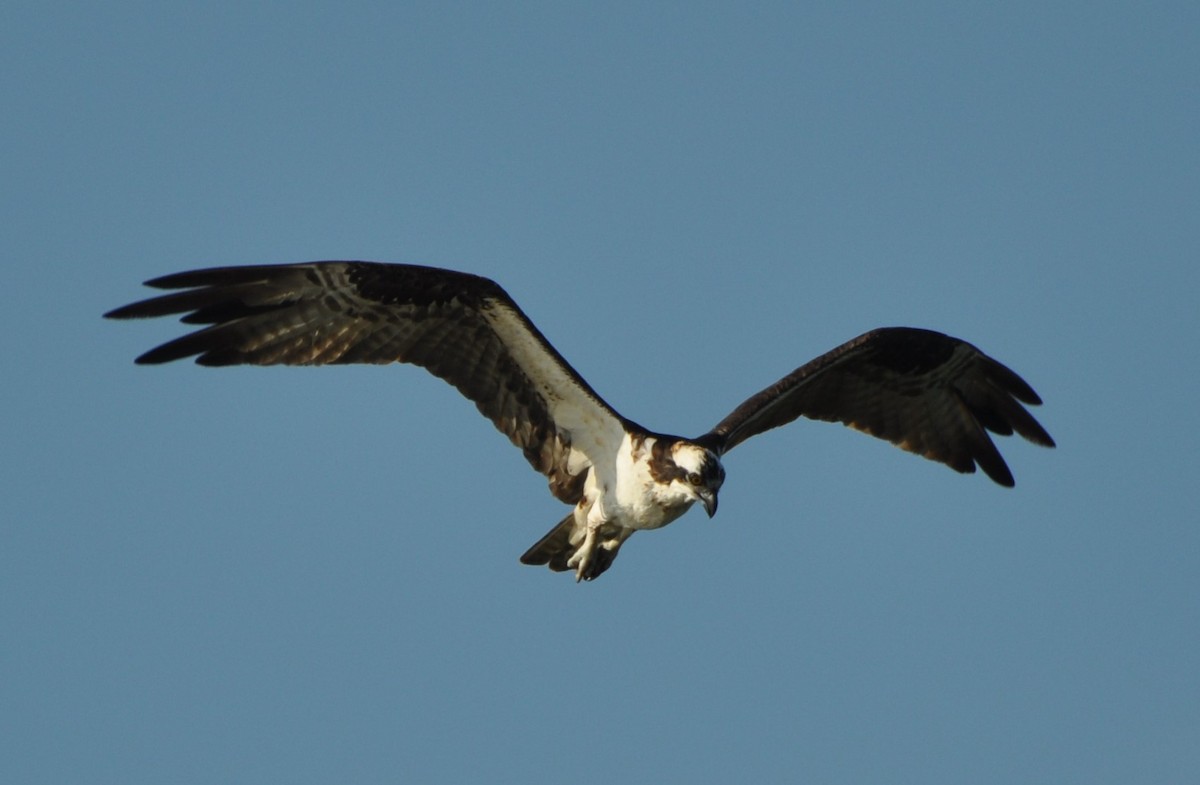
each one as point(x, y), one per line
point(462, 328)
point(921, 390)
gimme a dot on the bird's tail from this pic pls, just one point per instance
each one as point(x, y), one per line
point(560, 544)
point(555, 548)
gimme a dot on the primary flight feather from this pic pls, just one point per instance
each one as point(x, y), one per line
point(926, 392)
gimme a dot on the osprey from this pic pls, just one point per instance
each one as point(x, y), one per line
point(926, 392)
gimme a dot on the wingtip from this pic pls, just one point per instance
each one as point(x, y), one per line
point(152, 357)
point(124, 312)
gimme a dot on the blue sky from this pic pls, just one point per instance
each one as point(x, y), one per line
point(310, 575)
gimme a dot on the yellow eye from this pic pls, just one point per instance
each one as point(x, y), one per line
point(695, 479)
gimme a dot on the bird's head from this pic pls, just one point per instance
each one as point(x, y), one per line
point(698, 472)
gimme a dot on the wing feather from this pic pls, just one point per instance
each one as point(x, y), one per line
point(926, 392)
point(462, 328)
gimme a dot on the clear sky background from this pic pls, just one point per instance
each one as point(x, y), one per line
point(311, 576)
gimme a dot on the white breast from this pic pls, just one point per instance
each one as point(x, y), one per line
point(630, 497)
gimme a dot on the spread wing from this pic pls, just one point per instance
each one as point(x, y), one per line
point(462, 328)
point(921, 390)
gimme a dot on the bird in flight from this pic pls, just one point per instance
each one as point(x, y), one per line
point(925, 392)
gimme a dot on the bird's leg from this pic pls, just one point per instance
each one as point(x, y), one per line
point(582, 559)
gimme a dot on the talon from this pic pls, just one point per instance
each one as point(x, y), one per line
point(582, 558)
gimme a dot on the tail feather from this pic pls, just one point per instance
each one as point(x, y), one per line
point(560, 544)
point(555, 548)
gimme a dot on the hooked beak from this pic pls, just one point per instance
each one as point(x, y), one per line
point(709, 500)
